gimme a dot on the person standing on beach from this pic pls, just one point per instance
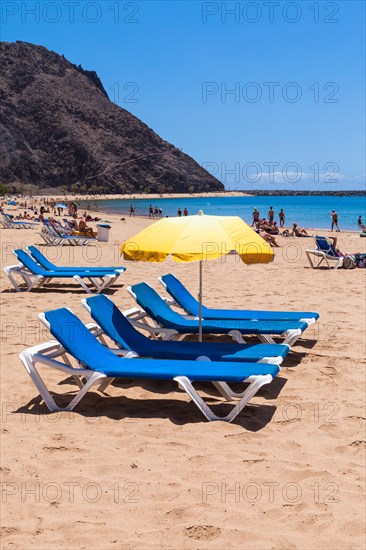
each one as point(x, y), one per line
point(185, 212)
point(359, 221)
point(270, 214)
point(151, 211)
point(335, 220)
point(281, 216)
point(179, 212)
point(132, 210)
point(255, 216)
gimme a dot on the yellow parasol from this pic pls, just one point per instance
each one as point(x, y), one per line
point(197, 238)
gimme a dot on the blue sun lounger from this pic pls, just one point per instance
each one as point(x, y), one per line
point(325, 252)
point(98, 365)
point(44, 262)
point(33, 274)
point(183, 298)
point(154, 306)
point(112, 322)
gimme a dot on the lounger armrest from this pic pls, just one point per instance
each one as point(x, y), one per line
point(126, 353)
point(94, 329)
point(169, 301)
point(135, 313)
point(14, 267)
point(164, 333)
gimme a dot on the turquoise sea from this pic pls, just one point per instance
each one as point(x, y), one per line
point(307, 211)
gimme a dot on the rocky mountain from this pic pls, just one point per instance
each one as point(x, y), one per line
point(59, 129)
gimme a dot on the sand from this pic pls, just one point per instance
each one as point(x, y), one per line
point(143, 469)
point(152, 196)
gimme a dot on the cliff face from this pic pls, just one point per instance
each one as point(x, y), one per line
point(58, 128)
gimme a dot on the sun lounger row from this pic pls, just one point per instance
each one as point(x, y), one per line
point(171, 324)
point(183, 298)
point(55, 234)
point(78, 353)
point(33, 272)
point(8, 222)
point(139, 357)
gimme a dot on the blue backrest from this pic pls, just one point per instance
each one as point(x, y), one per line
point(40, 258)
point(29, 263)
point(8, 219)
point(114, 323)
point(155, 306)
point(50, 228)
point(74, 336)
point(182, 296)
point(324, 245)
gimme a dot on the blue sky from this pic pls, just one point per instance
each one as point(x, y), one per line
point(263, 94)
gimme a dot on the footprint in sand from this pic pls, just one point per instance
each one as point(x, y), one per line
point(202, 532)
point(359, 444)
point(7, 531)
point(58, 437)
point(60, 448)
point(176, 512)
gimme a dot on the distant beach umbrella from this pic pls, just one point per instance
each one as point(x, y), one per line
point(12, 203)
point(197, 238)
point(61, 206)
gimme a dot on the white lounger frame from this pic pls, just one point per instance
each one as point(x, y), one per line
point(138, 318)
point(323, 257)
point(49, 353)
point(32, 280)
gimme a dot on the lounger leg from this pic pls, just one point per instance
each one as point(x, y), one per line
point(266, 339)
point(339, 263)
point(254, 386)
point(81, 282)
point(29, 364)
point(12, 280)
point(105, 282)
point(237, 336)
point(27, 278)
point(291, 336)
point(104, 385)
point(309, 259)
point(224, 389)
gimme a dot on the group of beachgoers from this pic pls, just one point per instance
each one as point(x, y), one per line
point(267, 228)
point(43, 209)
point(270, 217)
point(157, 212)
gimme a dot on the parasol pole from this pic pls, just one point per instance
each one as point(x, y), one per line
point(200, 302)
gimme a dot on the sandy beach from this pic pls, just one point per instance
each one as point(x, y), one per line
point(152, 196)
point(141, 468)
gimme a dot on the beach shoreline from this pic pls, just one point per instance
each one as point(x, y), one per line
point(97, 212)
